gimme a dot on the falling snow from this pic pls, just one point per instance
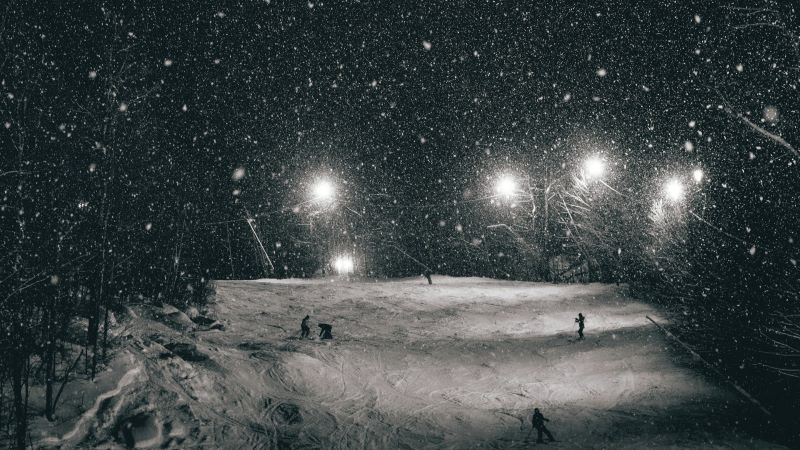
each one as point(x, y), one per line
point(154, 149)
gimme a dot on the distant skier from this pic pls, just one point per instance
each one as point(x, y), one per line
point(579, 320)
point(428, 274)
point(304, 328)
point(325, 331)
point(538, 424)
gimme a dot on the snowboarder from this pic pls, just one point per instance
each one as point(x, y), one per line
point(538, 424)
point(579, 320)
point(325, 331)
point(304, 328)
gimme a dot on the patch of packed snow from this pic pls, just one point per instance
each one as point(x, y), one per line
point(460, 363)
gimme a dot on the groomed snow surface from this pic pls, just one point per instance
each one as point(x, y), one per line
point(459, 364)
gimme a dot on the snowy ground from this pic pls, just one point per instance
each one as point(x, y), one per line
point(459, 364)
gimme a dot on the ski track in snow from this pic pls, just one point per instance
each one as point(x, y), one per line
point(87, 418)
point(459, 364)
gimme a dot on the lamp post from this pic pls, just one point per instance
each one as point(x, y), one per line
point(322, 194)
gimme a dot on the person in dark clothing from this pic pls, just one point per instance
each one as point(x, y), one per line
point(325, 331)
point(538, 424)
point(579, 320)
point(305, 330)
point(428, 274)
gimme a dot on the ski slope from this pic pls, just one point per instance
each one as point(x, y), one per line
point(459, 364)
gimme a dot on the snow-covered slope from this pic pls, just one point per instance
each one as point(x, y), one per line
point(459, 364)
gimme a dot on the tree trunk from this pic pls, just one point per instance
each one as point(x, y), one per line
point(50, 373)
point(18, 381)
point(94, 331)
point(105, 332)
point(94, 325)
point(545, 271)
point(3, 397)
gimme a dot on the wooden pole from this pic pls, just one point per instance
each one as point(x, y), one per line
point(230, 254)
point(250, 221)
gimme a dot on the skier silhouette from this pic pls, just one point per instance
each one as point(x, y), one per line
point(579, 320)
point(325, 331)
point(538, 421)
point(304, 328)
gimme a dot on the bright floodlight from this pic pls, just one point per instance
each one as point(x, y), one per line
point(343, 264)
point(506, 186)
point(323, 191)
point(697, 175)
point(674, 190)
point(594, 167)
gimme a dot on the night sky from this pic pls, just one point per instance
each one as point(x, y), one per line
point(413, 110)
point(428, 103)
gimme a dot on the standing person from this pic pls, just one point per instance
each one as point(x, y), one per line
point(304, 328)
point(538, 424)
point(579, 320)
point(428, 274)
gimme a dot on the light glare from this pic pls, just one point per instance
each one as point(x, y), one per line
point(697, 175)
point(674, 190)
point(594, 167)
point(506, 186)
point(343, 264)
point(323, 190)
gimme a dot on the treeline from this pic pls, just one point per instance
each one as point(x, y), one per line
point(101, 193)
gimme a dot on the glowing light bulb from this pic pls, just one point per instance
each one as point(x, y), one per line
point(343, 264)
point(674, 190)
point(697, 174)
point(323, 190)
point(594, 167)
point(506, 186)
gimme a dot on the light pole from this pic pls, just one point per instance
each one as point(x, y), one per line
point(322, 194)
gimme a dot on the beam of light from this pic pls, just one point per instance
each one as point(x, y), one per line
point(674, 190)
point(697, 174)
point(506, 187)
point(323, 191)
point(343, 264)
point(594, 167)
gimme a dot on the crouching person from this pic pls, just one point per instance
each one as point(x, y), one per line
point(325, 331)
